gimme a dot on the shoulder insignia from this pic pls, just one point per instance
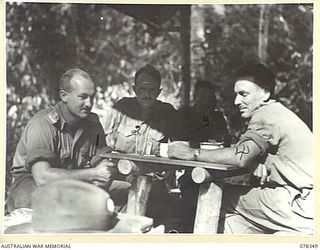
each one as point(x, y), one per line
point(53, 116)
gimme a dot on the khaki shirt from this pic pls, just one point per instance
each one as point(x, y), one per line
point(135, 135)
point(47, 138)
point(286, 145)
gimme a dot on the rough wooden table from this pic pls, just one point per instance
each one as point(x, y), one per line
point(208, 175)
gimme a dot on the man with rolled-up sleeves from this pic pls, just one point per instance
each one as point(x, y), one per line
point(63, 142)
point(277, 147)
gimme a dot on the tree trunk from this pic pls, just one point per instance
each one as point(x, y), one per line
point(263, 31)
point(185, 51)
point(197, 39)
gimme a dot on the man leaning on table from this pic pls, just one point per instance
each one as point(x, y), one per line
point(63, 142)
point(280, 145)
point(138, 124)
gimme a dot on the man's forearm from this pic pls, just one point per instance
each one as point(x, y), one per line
point(221, 156)
point(44, 174)
point(240, 155)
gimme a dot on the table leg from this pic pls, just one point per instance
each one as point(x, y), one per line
point(208, 208)
point(139, 194)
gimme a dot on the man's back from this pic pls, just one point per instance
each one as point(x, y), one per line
point(204, 127)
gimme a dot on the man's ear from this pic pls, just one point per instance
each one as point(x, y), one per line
point(267, 95)
point(63, 95)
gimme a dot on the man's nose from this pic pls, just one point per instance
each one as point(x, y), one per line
point(237, 100)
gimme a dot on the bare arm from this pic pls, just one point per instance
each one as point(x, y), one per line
point(44, 174)
point(241, 155)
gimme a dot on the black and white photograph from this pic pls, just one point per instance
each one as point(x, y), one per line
point(157, 119)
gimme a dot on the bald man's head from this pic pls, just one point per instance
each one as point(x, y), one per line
point(65, 80)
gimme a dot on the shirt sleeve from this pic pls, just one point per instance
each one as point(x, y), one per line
point(263, 131)
point(112, 121)
point(40, 143)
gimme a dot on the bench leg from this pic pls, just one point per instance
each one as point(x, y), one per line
point(208, 208)
point(139, 194)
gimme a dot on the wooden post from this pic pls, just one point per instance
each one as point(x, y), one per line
point(185, 53)
point(127, 167)
point(200, 175)
point(208, 208)
point(139, 194)
point(209, 202)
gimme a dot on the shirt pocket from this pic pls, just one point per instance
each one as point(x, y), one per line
point(65, 157)
point(84, 156)
point(65, 151)
point(64, 146)
point(126, 141)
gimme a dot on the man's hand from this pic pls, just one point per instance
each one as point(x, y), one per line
point(104, 173)
point(98, 158)
point(180, 151)
point(261, 172)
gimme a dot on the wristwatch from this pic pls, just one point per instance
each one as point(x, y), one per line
point(196, 154)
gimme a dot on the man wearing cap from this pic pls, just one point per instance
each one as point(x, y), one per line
point(62, 142)
point(138, 125)
point(280, 144)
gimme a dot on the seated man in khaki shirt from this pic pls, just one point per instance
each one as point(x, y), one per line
point(63, 142)
point(280, 145)
point(139, 124)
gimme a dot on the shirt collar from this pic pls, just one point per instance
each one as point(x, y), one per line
point(64, 119)
point(271, 101)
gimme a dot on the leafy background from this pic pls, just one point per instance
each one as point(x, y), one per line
point(45, 39)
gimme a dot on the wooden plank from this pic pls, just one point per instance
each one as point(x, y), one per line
point(127, 167)
point(168, 161)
